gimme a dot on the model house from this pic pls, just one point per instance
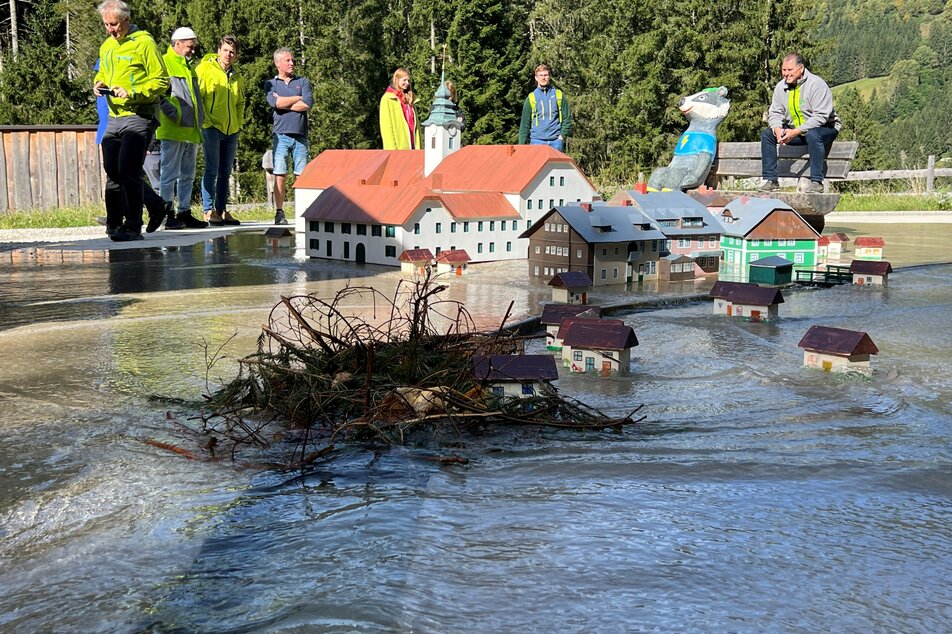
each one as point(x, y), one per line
point(515, 374)
point(570, 287)
point(756, 228)
point(870, 273)
point(372, 205)
point(837, 349)
point(771, 271)
point(746, 300)
point(415, 261)
point(676, 267)
point(868, 248)
point(558, 343)
point(592, 345)
point(609, 243)
point(453, 261)
point(832, 246)
point(554, 314)
point(689, 228)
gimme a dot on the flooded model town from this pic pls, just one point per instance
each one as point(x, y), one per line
point(716, 452)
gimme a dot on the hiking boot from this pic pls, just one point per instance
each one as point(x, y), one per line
point(228, 219)
point(280, 218)
point(813, 188)
point(214, 219)
point(769, 186)
point(189, 221)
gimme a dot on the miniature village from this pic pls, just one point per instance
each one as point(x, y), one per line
point(438, 212)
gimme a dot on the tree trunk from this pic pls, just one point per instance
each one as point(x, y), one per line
point(14, 35)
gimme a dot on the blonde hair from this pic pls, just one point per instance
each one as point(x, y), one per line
point(408, 95)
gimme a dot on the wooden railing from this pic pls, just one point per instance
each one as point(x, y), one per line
point(929, 174)
point(42, 167)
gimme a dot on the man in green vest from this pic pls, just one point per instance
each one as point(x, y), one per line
point(546, 117)
point(180, 131)
point(801, 113)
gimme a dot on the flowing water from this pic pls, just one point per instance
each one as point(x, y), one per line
point(756, 496)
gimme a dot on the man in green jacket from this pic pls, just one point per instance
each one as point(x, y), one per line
point(132, 76)
point(224, 99)
point(180, 131)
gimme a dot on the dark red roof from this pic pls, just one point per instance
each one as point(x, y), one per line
point(721, 290)
point(516, 367)
point(868, 242)
point(868, 267)
point(597, 335)
point(453, 256)
point(568, 321)
point(838, 341)
point(553, 314)
point(571, 279)
point(416, 255)
point(756, 296)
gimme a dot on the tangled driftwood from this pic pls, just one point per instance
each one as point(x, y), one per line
point(404, 364)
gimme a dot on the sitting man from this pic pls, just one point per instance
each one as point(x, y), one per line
point(801, 113)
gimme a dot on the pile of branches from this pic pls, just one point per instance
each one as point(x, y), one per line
point(403, 364)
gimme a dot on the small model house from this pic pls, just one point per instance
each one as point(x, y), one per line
point(592, 345)
point(688, 226)
point(832, 246)
point(415, 261)
point(558, 342)
point(371, 205)
point(837, 349)
point(676, 267)
point(772, 271)
point(454, 261)
point(515, 375)
point(869, 273)
point(278, 238)
point(868, 248)
point(554, 314)
point(570, 287)
point(757, 228)
point(746, 300)
point(609, 243)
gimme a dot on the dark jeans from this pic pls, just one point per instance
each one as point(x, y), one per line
point(818, 141)
point(219, 155)
point(123, 153)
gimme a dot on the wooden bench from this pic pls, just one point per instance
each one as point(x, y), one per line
point(742, 160)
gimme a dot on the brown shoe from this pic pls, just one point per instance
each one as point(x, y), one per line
point(228, 219)
point(215, 219)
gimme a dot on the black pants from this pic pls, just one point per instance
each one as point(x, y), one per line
point(123, 153)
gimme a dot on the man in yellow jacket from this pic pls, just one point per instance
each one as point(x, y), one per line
point(132, 76)
point(223, 97)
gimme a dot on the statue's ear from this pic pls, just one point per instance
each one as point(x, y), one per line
point(722, 91)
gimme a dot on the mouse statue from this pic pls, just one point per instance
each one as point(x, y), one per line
point(697, 146)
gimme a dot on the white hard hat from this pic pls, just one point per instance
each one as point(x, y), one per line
point(184, 33)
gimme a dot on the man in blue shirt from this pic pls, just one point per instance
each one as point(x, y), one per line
point(546, 118)
point(291, 98)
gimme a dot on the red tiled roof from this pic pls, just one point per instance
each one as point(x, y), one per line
point(823, 241)
point(368, 203)
point(838, 341)
point(868, 241)
point(416, 255)
point(478, 205)
point(349, 167)
point(503, 168)
point(453, 256)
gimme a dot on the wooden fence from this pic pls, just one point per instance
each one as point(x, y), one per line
point(929, 174)
point(42, 167)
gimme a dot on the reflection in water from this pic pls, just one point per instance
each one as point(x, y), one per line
point(758, 495)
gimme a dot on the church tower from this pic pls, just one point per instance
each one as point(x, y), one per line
point(441, 130)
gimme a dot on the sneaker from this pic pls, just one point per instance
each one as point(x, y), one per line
point(189, 221)
point(126, 236)
point(280, 218)
point(813, 188)
point(215, 219)
point(769, 186)
point(155, 221)
point(228, 219)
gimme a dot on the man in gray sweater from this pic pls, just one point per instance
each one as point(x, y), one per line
point(801, 113)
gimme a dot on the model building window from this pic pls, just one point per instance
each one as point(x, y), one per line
point(361, 230)
point(375, 231)
point(390, 251)
point(345, 227)
point(329, 227)
point(576, 355)
point(314, 225)
point(391, 231)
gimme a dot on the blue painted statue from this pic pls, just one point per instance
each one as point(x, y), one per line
point(697, 147)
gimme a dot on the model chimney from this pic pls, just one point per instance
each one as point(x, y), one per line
point(510, 150)
point(586, 206)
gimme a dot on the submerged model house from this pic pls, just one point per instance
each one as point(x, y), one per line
point(558, 343)
point(611, 244)
point(837, 349)
point(372, 205)
point(515, 374)
point(416, 261)
point(868, 248)
point(870, 273)
point(746, 300)
point(756, 228)
point(832, 246)
point(554, 314)
point(453, 261)
point(688, 226)
point(593, 345)
point(676, 267)
point(571, 287)
point(772, 271)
